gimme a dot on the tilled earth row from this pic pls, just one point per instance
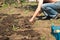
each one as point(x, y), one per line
point(17, 27)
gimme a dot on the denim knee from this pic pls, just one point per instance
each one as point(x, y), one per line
point(45, 8)
point(48, 11)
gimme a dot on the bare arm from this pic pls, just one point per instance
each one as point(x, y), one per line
point(37, 10)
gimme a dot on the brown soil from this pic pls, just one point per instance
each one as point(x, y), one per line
point(24, 28)
point(14, 25)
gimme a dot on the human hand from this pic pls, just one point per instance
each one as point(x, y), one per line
point(31, 20)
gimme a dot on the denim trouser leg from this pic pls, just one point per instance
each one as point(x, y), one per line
point(50, 9)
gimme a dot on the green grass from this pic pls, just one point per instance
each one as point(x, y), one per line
point(14, 4)
point(58, 20)
point(29, 3)
point(26, 11)
point(11, 11)
point(43, 38)
point(4, 6)
point(14, 28)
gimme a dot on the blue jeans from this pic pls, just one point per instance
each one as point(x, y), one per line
point(51, 9)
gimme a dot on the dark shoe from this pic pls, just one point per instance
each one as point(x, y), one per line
point(55, 17)
point(47, 18)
